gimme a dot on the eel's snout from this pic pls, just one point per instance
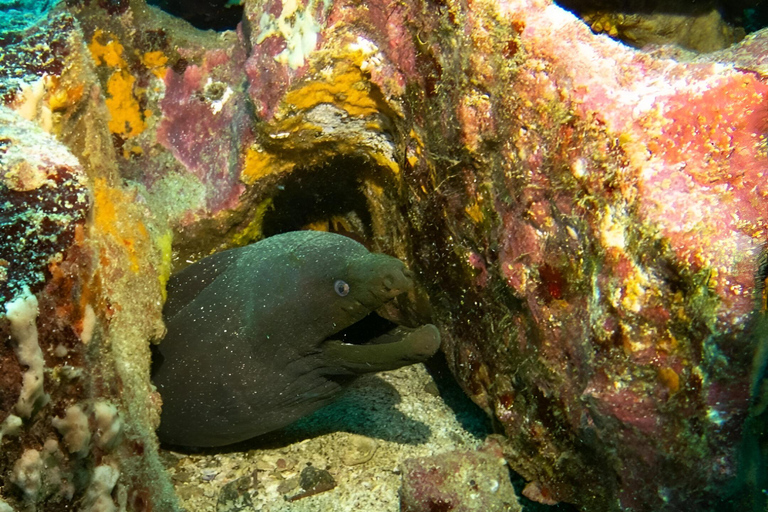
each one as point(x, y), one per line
point(394, 278)
point(375, 343)
point(399, 279)
point(379, 277)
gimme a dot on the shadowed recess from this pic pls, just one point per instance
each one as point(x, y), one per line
point(471, 416)
point(694, 25)
point(328, 197)
point(216, 15)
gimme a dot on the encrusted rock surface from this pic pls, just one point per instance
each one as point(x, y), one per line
point(45, 201)
point(585, 219)
point(473, 481)
point(79, 290)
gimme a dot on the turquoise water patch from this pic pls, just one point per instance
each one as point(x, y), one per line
point(18, 15)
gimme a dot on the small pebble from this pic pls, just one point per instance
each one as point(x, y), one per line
point(431, 388)
point(208, 475)
point(313, 481)
point(358, 450)
point(235, 496)
point(288, 486)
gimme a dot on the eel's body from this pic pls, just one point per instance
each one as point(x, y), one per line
point(254, 336)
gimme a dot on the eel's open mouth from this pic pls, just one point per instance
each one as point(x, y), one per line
point(376, 344)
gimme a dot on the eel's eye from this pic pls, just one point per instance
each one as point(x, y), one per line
point(341, 287)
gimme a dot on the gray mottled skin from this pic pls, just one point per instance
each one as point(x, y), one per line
point(250, 345)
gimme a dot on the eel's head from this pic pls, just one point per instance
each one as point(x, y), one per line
point(371, 281)
point(352, 337)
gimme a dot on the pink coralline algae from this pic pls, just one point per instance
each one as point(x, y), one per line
point(631, 206)
point(462, 481)
point(198, 93)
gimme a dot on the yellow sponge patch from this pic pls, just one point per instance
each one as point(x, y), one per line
point(348, 89)
point(259, 164)
point(110, 218)
point(127, 117)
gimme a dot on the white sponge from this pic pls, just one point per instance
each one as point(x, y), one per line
point(22, 314)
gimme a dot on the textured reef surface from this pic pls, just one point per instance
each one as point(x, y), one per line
point(471, 481)
point(584, 220)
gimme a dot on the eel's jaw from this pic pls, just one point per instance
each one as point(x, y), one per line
point(399, 347)
point(375, 343)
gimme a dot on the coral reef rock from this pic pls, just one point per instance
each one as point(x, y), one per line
point(584, 221)
point(469, 481)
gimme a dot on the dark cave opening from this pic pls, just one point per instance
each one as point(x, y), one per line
point(754, 17)
point(218, 15)
point(327, 196)
point(640, 22)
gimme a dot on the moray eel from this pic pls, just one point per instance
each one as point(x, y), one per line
point(259, 336)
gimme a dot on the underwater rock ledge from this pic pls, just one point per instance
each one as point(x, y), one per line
point(585, 222)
